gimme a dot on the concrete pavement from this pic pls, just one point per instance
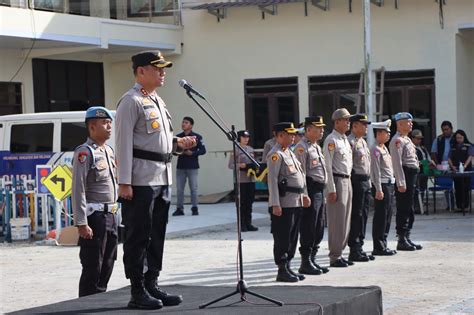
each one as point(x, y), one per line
point(202, 250)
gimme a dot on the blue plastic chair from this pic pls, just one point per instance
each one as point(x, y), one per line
point(442, 184)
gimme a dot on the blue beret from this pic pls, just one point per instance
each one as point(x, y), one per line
point(402, 115)
point(98, 112)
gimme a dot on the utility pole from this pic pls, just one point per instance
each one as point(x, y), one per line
point(369, 96)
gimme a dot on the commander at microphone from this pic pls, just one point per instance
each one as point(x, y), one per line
point(145, 143)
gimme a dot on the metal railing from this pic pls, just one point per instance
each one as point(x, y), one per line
point(148, 11)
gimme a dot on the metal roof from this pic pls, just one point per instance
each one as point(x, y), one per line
point(241, 3)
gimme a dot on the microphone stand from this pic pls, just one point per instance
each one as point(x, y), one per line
point(242, 286)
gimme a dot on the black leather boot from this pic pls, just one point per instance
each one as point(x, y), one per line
point(403, 244)
point(355, 255)
point(313, 260)
point(298, 275)
point(195, 210)
point(151, 286)
point(140, 297)
point(284, 275)
point(307, 266)
point(179, 211)
point(417, 246)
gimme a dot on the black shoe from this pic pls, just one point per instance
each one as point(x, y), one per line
point(141, 299)
point(314, 251)
point(405, 246)
point(348, 262)
point(244, 228)
point(338, 264)
point(284, 275)
point(408, 239)
point(307, 267)
point(297, 275)
point(383, 252)
point(323, 269)
point(356, 256)
point(367, 255)
point(252, 228)
point(195, 210)
point(179, 211)
point(167, 299)
point(417, 246)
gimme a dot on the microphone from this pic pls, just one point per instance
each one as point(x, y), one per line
point(185, 85)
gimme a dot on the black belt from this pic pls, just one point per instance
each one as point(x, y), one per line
point(317, 185)
point(152, 156)
point(295, 190)
point(360, 177)
point(341, 175)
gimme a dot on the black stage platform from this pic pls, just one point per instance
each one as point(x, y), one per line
point(297, 299)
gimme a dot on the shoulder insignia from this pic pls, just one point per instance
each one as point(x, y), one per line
point(398, 142)
point(376, 152)
point(144, 92)
point(300, 150)
point(331, 146)
point(82, 157)
point(275, 157)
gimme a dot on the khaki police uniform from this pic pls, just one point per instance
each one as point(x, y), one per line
point(94, 195)
point(311, 157)
point(269, 144)
point(144, 144)
point(246, 185)
point(361, 187)
point(338, 155)
point(405, 168)
point(381, 174)
point(286, 186)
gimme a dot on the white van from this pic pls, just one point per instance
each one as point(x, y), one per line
point(27, 140)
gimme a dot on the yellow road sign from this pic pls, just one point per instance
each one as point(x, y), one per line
point(59, 182)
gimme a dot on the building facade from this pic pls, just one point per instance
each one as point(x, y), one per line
point(256, 64)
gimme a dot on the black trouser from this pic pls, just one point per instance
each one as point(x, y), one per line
point(462, 187)
point(98, 254)
point(285, 234)
point(312, 219)
point(247, 196)
point(360, 211)
point(405, 213)
point(382, 217)
point(145, 218)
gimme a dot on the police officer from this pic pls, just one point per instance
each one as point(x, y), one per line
point(267, 146)
point(145, 143)
point(286, 186)
point(406, 168)
point(94, 196)
point(360, 180)
point(338, 156)
point(381, 174)
point(310, 155)
point(246, 181)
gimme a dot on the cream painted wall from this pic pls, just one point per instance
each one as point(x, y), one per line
point(216, 58)
point(465, 84)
